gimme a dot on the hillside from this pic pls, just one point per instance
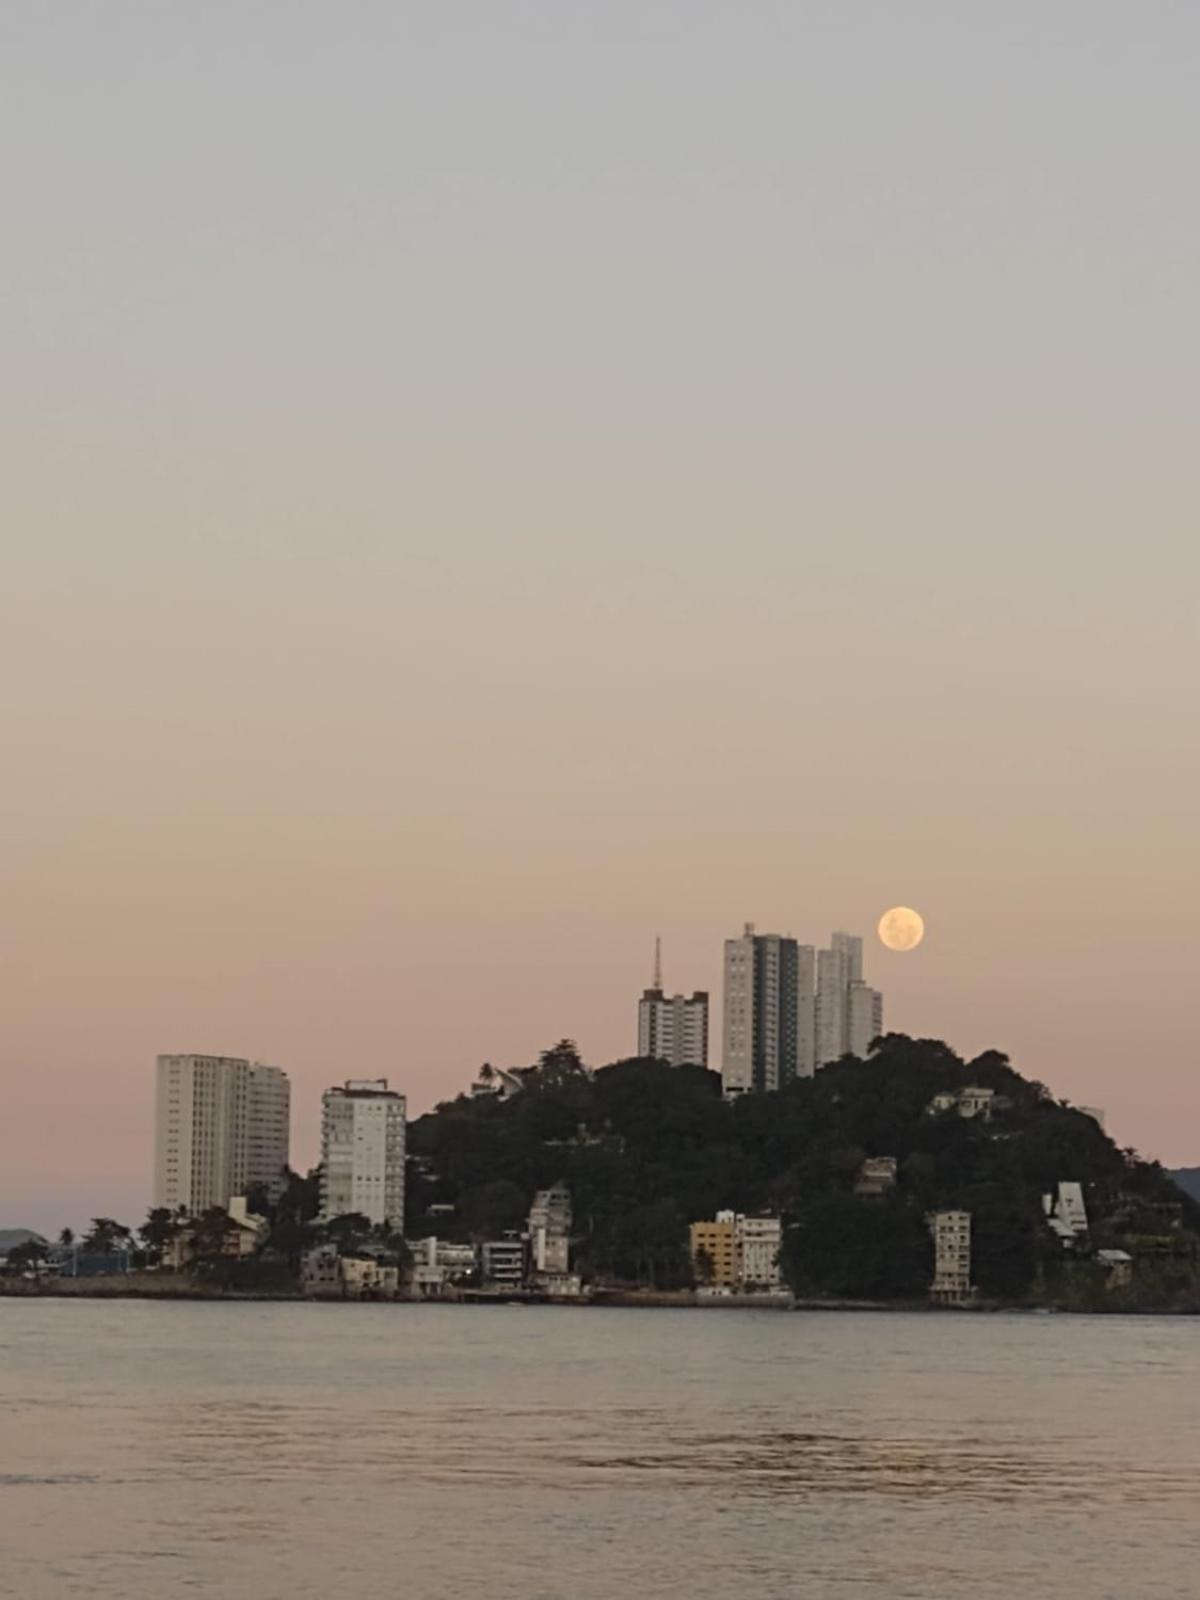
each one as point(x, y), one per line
point(1188, 1179)
point(646, 1149)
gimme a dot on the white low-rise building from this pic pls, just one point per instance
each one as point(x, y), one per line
point(440, 1265)
point(1066, 1214)
point(971, 1101)
point(499, 1083)
point(503, 1262)
point(325, 1275)
point(757, 1241)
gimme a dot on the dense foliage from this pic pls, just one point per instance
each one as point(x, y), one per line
point(646, 1148)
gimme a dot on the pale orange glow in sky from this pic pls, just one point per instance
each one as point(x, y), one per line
point(486, 485)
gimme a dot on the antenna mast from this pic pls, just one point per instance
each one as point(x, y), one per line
point(658, 965)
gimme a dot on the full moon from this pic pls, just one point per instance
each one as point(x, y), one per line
point(901, 928)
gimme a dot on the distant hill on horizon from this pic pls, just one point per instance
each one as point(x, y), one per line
point(1188, 1179)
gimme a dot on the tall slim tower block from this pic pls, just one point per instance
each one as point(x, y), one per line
point(849, 1014)
point(362, 1152)
point(672, 1028)
point(221, 1126)
point(762, 1047)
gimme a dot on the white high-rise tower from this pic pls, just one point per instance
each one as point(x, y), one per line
point(362, 1152)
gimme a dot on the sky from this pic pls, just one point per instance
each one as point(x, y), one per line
point(483, 485)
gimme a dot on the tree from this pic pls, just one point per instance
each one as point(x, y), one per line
point(159, 1228)
point(646, 1148)
point(104, 1236)
point(30, 1253)
point(853, 1248)
point(209, 1238)
point(493, 1208)
point(396, 1246)
point(561, 1064)
point(66, 1238)
point(347, 1233)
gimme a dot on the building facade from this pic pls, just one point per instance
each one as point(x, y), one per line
point(221, 1126)
point(790, 1009)
point(673, 1027)
point(951, 1231)
point(714, 1255)
point(849, 1013)
point(502, 1262)
point(758, 1241)
point(550, 1230)
point(737, 1252)
point(268, 1123)
point(762, 1013)
point(362, 1152)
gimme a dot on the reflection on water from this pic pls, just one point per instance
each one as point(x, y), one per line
point(258, 1451)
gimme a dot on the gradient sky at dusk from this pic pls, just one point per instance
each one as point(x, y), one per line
point(488, 483)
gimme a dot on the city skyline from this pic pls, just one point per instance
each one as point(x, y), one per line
point(441, 557)
point(845, 951)
point(128, 1190)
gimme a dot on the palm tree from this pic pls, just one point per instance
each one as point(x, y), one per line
point(66, 1238)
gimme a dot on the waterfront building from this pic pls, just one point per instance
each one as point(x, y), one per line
point(1117, 1266)
point(714, 1257)
point(221, 1127)
point(737, 1252)
point(502, 1261)
point(951, 1231)
point(326, 1275)
point(244, 1233)
point(672, 1028)
point(550, 1230)
point(362, 1152)
point(440, 1266)
point(757, 1241)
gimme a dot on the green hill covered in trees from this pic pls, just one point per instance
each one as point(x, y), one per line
point(646, 1149)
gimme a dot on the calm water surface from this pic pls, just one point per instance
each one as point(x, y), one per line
point(295, 1451)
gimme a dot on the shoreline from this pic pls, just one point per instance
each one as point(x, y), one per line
point(150, 1288)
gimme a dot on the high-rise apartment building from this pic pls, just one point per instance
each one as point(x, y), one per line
point(762, 987)
point(674, 1027)
point(790, 1009)
point(849, 1013)
point(221, 1128)
point(362, 1152)
point(268, 1124)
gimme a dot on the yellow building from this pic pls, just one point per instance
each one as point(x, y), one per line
point(717, 1243)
